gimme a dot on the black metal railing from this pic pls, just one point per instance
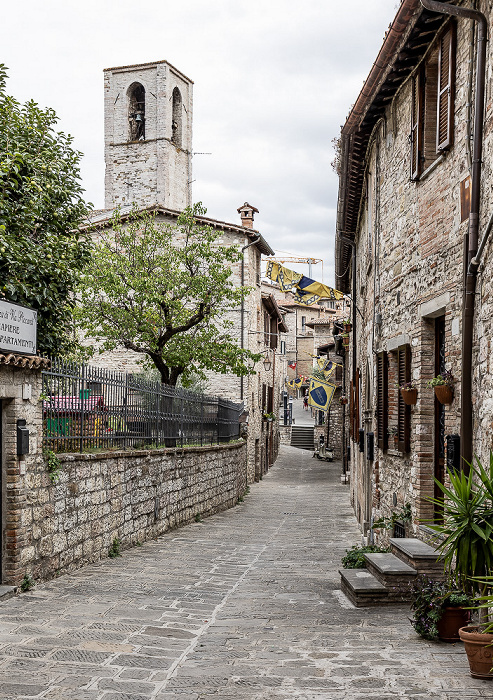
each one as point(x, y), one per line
point(89, 408)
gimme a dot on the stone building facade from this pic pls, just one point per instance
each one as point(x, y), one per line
point(148, 111)
point(403, 224)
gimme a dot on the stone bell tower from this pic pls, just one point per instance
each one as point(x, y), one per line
point(147, 136)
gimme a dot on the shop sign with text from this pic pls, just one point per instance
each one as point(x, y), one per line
point(18, 326)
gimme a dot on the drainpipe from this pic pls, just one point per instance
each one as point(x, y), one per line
point(351, 243)
point(242, 313)
point(470, 271)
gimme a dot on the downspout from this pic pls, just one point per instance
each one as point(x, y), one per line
point(351, 243)
point(242, 319)
point(470, 271)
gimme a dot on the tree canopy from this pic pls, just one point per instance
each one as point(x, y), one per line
point(164, 291)
point(42, 249)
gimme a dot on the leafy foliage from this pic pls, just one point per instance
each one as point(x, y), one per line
point(114, 550)
point(429, 600)
point(27, 583)
point(404, 515)
point(41, 207)
point(53, 465)
point(163, 291)
point(467, 526)
point(355, 557)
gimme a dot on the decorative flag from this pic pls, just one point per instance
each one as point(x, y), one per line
point(291, 384)
point(292, 365)
point(320, 394)
point(306, 290)
point(298, 382)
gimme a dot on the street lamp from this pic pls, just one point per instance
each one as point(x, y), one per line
point(267, 362)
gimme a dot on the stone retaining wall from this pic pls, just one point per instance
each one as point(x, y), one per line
point(133, 496)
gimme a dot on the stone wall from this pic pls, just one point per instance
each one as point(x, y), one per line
point(133, 496)
point(154, 170)
point(410, 271)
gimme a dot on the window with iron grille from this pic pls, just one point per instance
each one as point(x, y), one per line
point(382, 395)
point(432, 112)
point(403, 410)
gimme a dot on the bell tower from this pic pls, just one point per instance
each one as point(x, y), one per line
point(147, 136)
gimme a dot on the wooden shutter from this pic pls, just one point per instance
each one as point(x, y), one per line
point(416, 136)
point(446, 80)
point(356, 406)
point(403, 410)
point(351, 410)
point(382, 400)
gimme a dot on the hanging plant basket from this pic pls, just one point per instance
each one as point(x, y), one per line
point(345, 340)
point(409, 396)
point(347, 327)
point(444, 393)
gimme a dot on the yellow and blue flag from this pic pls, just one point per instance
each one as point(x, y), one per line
point(298, 382)
point(305, 290)
point(320, 394)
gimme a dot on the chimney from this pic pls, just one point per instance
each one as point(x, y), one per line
point(246, 213)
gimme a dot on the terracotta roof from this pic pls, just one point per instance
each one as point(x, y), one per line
point(25, 361)
point(102, 217)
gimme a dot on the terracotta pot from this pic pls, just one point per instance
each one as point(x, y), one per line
point(479, 650)
point(409, 396)
point(444, 393)
point(345, 341)
point(451, 622)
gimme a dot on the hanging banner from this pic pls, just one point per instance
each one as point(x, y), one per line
point(320, 394)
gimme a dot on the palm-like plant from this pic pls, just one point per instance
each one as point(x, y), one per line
point(467, 527)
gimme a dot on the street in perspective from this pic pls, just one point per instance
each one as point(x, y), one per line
point(246, 358)
point(246, 604)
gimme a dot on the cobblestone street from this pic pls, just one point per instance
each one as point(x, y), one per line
point(245, 604)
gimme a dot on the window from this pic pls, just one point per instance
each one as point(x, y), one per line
point(136, 112)
point(283, 347)
point(354, 406)
point(176, 119)
point(432, 113)
point(382, 400)
point(303, 324)
point(403, 410)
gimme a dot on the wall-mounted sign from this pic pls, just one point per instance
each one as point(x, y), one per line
point(18, 326)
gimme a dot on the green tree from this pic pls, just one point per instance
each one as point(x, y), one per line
point(163, 291)
point(42, 249)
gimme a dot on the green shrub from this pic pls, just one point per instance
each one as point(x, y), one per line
point(355, 557)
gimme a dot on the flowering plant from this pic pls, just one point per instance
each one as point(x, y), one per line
point(408, 385)
point(429, 600)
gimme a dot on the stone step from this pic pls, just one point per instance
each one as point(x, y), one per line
point(7, 592)
point(363, 589)
point(390, 571)
point(416, 553)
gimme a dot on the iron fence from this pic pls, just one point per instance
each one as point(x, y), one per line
point(90, 408)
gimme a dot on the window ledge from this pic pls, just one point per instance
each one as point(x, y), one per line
point(431, 167)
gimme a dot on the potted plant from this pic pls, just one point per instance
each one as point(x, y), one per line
point(343, 400)
point(345, 340)
point(478, 640)
point(269, 417)
point(467, 549)
point(439, 609)
point(347, 325)
point(409, 393)
point(443, 384)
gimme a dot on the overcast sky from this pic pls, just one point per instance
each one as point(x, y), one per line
point(274, 81)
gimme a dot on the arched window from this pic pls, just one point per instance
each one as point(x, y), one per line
point(136, 112)
point(176, 123)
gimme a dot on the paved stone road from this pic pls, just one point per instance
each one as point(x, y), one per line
point(243, 605)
